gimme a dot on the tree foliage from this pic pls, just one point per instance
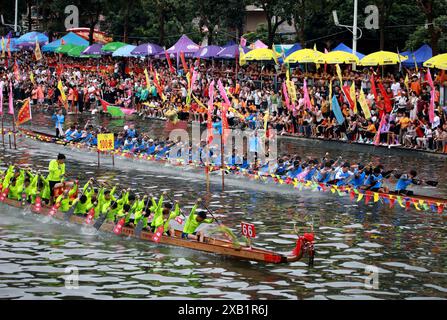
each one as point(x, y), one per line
point(402, 24)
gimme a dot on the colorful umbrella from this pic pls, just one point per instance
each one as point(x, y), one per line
point(65, 48)
point(113, 46)
point(94, 49)
point(208, 52)
point(231, 52)
point(261, 54)
point(382, 58)
point(77, 52)
point(439, 61)
point(303, 56)
point(337, 57)
point(147, 49)
point(125, 51)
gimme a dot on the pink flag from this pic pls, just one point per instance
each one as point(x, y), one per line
point(286, 96)
point(11, 106)
point(431, 110)
point(306, 96)
point(243, 42)
point(210, 112)
point(1, 98)
point(382, 123)
point(223, 93)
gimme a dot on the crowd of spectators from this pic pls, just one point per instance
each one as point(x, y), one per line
point(254, 89)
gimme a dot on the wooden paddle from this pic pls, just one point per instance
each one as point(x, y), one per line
point(69, 213)
point(139, 226)
point(100, 221)
point(209, 211)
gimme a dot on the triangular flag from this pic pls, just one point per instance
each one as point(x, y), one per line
point(24, 114)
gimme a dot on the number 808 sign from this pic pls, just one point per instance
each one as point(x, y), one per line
point(248, 230)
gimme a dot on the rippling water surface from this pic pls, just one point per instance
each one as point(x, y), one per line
point(408, 248)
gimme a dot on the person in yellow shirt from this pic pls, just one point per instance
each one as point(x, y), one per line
point(56, 172)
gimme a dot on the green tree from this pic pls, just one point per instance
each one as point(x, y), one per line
point(276, 13)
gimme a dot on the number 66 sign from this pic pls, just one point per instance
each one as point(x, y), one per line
point(248, 230)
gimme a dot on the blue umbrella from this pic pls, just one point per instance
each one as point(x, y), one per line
point(125, 51)
point(29, 39)
point(69, 38)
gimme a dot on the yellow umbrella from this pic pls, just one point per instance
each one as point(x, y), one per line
point(261, 54)
point(381, 58)
point(439, 61)
point(337, 57)
point(303, 56)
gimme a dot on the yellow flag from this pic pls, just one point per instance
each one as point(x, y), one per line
point(340, 78)
point(376, 197)
point(352, 94)
point(241, 57)
point(406, 81)
point(199, 102)
point(275, 58)
point(148, 84)
point(37, 52)
point(3, 47)
point(364, 105)
point(330, 94)
point(266, 119)
point(61, 89)
point(31, 77)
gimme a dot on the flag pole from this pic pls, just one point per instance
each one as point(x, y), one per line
point(14, 129)
point(3, 133)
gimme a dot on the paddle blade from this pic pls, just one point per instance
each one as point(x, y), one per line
point(432, 183)
point(4, 194)
point(139, 228)
point(119, 227)
point(38, 204)
point(54, 209)
point(158, 233)
point(90, 215)
point(69, 213)
point(100, 221)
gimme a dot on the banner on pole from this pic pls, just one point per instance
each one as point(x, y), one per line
point(106, 141)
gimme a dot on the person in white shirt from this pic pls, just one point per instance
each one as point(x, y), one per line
point(395, 87)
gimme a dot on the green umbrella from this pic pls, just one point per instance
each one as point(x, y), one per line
point(76, 51)
point(65, 48)
point(113, 46)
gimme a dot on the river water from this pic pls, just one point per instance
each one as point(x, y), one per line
point(406, 249)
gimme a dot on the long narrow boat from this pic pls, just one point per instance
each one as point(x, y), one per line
point(418, 201)
point(210, 244)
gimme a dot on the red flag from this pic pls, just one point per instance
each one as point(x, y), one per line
point(104, 105)
point(185, 66)
point(346, 91)
point(373, 87)
point(62, 42)
point(168, 59)
point(16, 71)
point(386, 98)
point(24, 114)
